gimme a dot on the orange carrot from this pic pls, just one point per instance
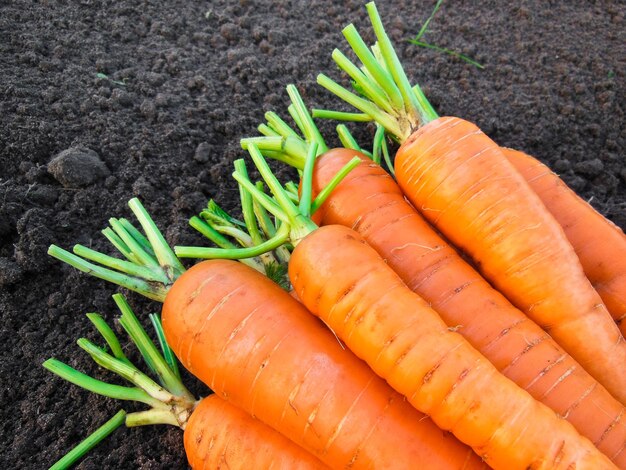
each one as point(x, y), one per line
point(461, 182)
point(371, 203)
point(261, 350)
point(219, 435)
point(257, 347)
point(403, 340)
point(216, 434)
point(599, 243)
point(350, 287)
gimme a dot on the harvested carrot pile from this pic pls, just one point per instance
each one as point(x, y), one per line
point(397, 289)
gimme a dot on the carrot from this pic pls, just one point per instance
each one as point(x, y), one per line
point(262, 351)
point(350, 287)
point(239, 441)
point(369, 202)
point(216, 433)
point(599, 244)
point(461, 182)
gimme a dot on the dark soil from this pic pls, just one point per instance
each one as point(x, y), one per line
point(149, 99)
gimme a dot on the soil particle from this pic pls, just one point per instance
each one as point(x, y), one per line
point(77, 167)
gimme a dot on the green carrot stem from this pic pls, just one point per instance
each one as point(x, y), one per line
point(90, 384)
point(376, 150)
point(340, 115)
point(369, 87)
point(393, 64)
point(247, 207)
point(138, 254)
point(137, 235)
point(151, 290)
point(346, 138)
point(385, 150)
point(238, 253)
point(390, 122)
point(280, 126)
point(332, 184)
point(311, 132)
point(151, 355)
point(119, 244)
point(307, 181)
point(429, 111)
point(209, 232)
point(168, 354)
point(109, 336)
point(126, 267)
point(130, 373)
point(380, 74)
point(165, 255)
point(153, 416)
point(90, 442)
point(267, 130)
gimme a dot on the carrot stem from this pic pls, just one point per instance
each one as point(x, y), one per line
point(109, 336)
point(378, 72)
point(90, 442)
point(167, 259)
point(311, 132)
point(280, 126)
point(340, 115)
point(307, 181)
point(332, 184)
point(168, 354)
point(151, 355)
point(151, 290)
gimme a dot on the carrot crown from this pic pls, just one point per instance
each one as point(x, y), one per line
point(150, 267)
point(293, 218)
point(169, 401)
point(386, 95)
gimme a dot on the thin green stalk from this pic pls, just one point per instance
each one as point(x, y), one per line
point(165, 255)
point(267, 131)
point(109, 336)
point(380, 75)
point(139, 271)
point(153, 416)
point(119, 244)
point(280, 126)
point(148, 289)
point(340, 115)
point(348, 141)
point(280, 238)
point(117, 392)
point(137, 235)
point(304, 205)
point(90, 442)
point(209, 232)
point(428, 45)
point(247, 206)
point(390, 122)
point(311, 132)
point(386, 156)
point(129, 373)
point(332, 184)
point(393, 64)
point(370, 88)
point(139, 255)
point(152, 356)
point(289, 150)
point(376, 150)
point(168, 354)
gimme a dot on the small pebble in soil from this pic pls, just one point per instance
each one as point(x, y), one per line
point(77, 167)
point(202, 153)
point(590, 167)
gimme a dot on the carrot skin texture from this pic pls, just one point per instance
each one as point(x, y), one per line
point(402, 339)
point(370, 202)
point(260, 349)
point(219, 435)
point(598, 242)
point(461, 182)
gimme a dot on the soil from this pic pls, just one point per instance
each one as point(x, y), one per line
point(102, 101)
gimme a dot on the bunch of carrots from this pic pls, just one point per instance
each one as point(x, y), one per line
point(448, 312)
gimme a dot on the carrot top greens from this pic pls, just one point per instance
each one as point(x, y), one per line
point(169, 401)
